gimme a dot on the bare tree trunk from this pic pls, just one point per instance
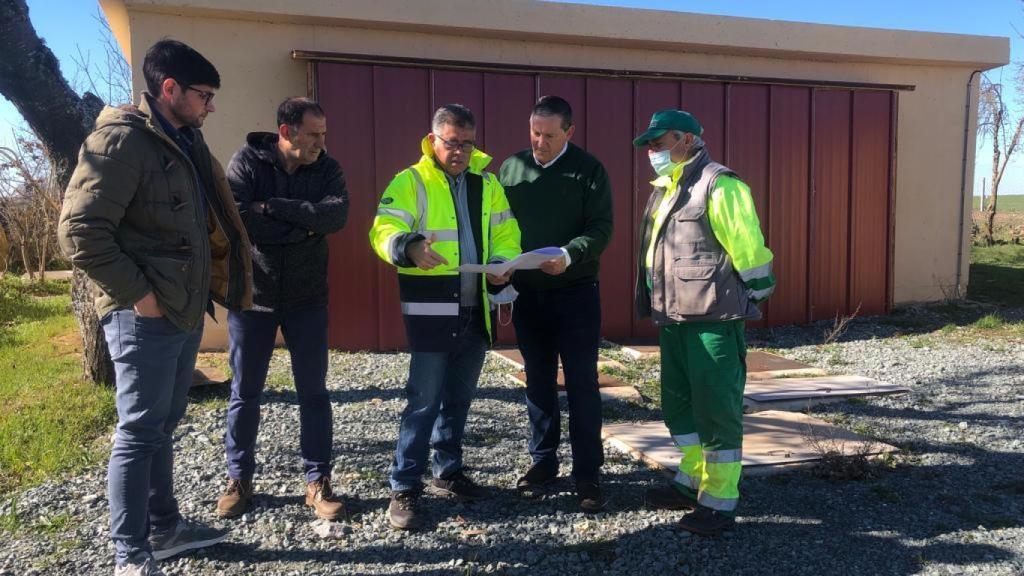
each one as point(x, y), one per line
point(95, 358)
point(26, 263)
point(31, 79)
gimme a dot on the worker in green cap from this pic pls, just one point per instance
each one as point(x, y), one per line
point(703, 267)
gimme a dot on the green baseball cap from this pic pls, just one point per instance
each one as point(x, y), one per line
point(666, 120)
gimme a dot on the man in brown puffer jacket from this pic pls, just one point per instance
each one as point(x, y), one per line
point(149, 217)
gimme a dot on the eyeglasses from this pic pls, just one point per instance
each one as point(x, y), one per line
point(466, 146)
point(204, 95)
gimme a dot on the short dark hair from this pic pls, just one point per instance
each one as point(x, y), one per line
point(454, 114)
point(292, 111)
point(554, 106)
point(172, 59)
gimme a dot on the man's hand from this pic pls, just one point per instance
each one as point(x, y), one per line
point(423, 255)
point(500, 280)
point(555, 266)
point(258, 207)
point(148, 307)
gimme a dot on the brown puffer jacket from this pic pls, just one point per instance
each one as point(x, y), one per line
point(132, 220)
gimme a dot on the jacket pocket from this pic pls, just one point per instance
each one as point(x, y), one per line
point(692, 291)
point(170, 274)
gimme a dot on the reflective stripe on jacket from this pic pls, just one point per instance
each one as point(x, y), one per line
point(418, 204)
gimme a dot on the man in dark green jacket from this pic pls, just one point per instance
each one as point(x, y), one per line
point(149, 217)
point(561, 197)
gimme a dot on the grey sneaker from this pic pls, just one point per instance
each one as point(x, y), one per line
point(145, 568)
point(185, 536)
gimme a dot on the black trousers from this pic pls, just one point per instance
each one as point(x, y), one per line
point(562, 323)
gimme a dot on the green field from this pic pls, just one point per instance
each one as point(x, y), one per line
point(1008, 203)
point(50, 416)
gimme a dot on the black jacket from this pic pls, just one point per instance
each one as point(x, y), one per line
point(289, 244)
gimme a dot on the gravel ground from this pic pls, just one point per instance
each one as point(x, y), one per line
point(951, 503)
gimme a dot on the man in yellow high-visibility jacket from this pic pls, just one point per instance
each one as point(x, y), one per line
point(703, 266)
point(441, 212)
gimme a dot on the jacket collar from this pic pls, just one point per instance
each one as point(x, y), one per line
point(478, 160)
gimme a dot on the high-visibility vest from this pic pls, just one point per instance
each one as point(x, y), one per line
point(419, 201)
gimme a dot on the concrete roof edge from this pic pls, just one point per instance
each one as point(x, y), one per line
point(607, 26)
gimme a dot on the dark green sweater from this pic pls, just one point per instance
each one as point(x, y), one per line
point(568, 205)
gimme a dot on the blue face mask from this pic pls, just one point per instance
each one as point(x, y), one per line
point(662, 161)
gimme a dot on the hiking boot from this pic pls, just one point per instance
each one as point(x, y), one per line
point(145, 567)
point(234, 500)
point(403, 512)
point(323, 501)
point(706, 522)
point(536, 477)
point(456, 485)
point(185, 535)
point(668, 498)
point(590, 497)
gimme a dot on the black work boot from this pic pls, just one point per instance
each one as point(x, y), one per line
point(456, 485)
point(538, 476)
point(590, 496)
point(668, 498)
point(706, 522)
point(403, 512)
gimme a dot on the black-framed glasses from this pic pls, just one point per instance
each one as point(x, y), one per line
point(205, 95)
point(465, 146)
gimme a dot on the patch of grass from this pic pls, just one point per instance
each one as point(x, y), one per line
point(53, 525)
point(921, 342)
point(988, 322)
point(50, 416)
point(997, 275)
point(949, 328)
point(10, 519)
point(280, 381)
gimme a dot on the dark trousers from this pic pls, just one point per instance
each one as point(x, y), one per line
point(252, 336)
point(562, 323)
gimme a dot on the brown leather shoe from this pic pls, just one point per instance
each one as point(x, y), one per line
point(235, 498)
point(323, 501)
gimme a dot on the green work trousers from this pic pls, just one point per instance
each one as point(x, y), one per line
point(703, 371)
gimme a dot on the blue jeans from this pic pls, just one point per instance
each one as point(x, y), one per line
point(153, 365)
point(252, 336)
point(438, 395)
point(562, 323)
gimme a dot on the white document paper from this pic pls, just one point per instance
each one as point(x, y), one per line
point(526, 261)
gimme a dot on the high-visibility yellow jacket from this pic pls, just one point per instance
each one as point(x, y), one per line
point(418, 204)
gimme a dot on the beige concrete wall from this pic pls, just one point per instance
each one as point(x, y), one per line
point(253, 56)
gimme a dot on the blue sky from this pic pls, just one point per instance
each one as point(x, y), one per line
point(69, 25)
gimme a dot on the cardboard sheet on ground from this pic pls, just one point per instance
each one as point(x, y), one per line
point(526, 261)
point(772, 441)
point(816, 388)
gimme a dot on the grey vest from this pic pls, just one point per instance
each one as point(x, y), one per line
point(692, 279)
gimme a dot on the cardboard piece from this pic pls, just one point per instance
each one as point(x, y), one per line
point(642, 352)
point(207, 375)
point(799, 393)
point(773, 442)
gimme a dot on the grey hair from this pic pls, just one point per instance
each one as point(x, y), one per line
point(454, 114)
